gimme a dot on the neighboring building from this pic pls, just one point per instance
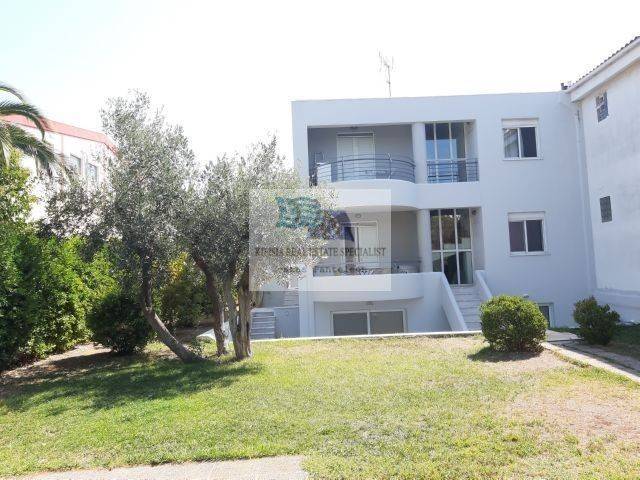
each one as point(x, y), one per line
point(81, 149)
point(486, 194)
point(607, 103)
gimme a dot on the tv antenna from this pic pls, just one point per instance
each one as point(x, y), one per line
point(386, 65)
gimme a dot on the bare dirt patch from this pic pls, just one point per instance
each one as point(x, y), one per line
point(519, 363)
point(589, 411)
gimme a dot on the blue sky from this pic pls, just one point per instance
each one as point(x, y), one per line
point(227, 70)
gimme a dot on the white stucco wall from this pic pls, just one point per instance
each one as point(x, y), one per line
point(66, 145)
point(612, 158)
point(550, 184)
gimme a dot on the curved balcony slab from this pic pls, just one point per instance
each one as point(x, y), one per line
point(367, 288)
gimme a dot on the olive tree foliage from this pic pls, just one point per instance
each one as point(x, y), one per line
point(219, 219)
point(137, 203)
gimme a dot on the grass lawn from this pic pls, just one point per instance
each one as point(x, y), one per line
point(393, 408)
point(626, 340)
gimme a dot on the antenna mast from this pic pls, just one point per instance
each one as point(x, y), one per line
point(386, 65)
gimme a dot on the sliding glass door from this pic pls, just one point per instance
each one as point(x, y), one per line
point(451, 244)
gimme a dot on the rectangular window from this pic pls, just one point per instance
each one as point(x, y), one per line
point(605, 209)
point(368, 322)
point(92, 173)
point(75, 164)
point(520, 139)
point(451, 244)
point(445, 141)
point(547, 310)
point(602, 106)
point(526, 233)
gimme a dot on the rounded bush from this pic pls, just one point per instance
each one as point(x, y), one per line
point(596, 323)
point(511, 323)
point(118, 323)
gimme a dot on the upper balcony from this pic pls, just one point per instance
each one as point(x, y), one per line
point(430, 152)
point(361, 167)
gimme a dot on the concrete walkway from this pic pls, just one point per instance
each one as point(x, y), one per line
point(569, 346)
point(270, 468)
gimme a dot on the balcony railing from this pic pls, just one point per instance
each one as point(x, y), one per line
point(362, 167)
point(366, 268)
point(452, 171)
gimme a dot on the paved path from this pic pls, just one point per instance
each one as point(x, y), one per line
point(270, 468)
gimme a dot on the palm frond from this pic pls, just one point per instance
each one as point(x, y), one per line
point(25, 110)
point(31, 146)
point(12, 91)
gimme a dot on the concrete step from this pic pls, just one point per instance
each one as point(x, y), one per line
point(469, 311)
point(468, 303)
point(474, 325)
point(262, 336)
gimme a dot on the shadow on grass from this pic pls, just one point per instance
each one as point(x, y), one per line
point(103, 381)
point(487, 354)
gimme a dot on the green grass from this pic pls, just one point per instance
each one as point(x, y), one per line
point(394, 408)
point(626, 340)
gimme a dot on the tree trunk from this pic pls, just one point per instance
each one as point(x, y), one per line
point(240, 329)
point(214, 297)
point(164, 334)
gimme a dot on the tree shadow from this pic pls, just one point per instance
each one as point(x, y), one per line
point(487, 354)
point(104, 381)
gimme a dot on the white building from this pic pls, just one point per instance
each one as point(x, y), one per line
point(79, 148)
point(607, 110)
point(473, 196)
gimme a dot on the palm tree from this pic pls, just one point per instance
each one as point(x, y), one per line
point(13, 137)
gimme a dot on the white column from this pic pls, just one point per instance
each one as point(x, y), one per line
point(423, 223)
point(419, 151)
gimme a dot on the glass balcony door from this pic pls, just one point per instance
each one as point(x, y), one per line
point(451, 244)
point(356, 156)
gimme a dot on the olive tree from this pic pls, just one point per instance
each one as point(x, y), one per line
point(137, 203)
point(236, 199)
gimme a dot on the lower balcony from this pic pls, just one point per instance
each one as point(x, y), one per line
point(366, 268)
point(452, 171)
point(362, 167)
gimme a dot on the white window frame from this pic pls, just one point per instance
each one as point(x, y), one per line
point(363, 223)
point(369, 312)
point(518, 124)
point(523, 217)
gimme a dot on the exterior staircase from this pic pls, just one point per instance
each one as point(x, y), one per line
point(263, 323)
point(290, 298)
point(469, 303)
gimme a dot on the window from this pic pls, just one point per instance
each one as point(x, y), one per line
point(602, 106)
point(605, 209)
point(368, 322)
point(547, 310)
point(520, 139)
point(361, 242)
point(451, 244)
point(92, 173)
point(445, 140)
point(526, 233)
point(75, 164)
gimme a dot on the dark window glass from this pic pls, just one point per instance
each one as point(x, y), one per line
point(528, 137)
point(431, 143)
point(605, 209)
point(450, 267)
point(535, 242)
point(602, 106)
point(435, 230)
point(437, 261)
point(466, 268)
point(448, 229)
point(457, 134)
point(464, 228)
point(545, 310)
point(387, 322)
point(443, 141)
point(350, 323)
point(516, 236)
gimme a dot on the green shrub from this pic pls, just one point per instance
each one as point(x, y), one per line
point(512, 323)
point(596, 323)
point(118, 323)
point(183, 299)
